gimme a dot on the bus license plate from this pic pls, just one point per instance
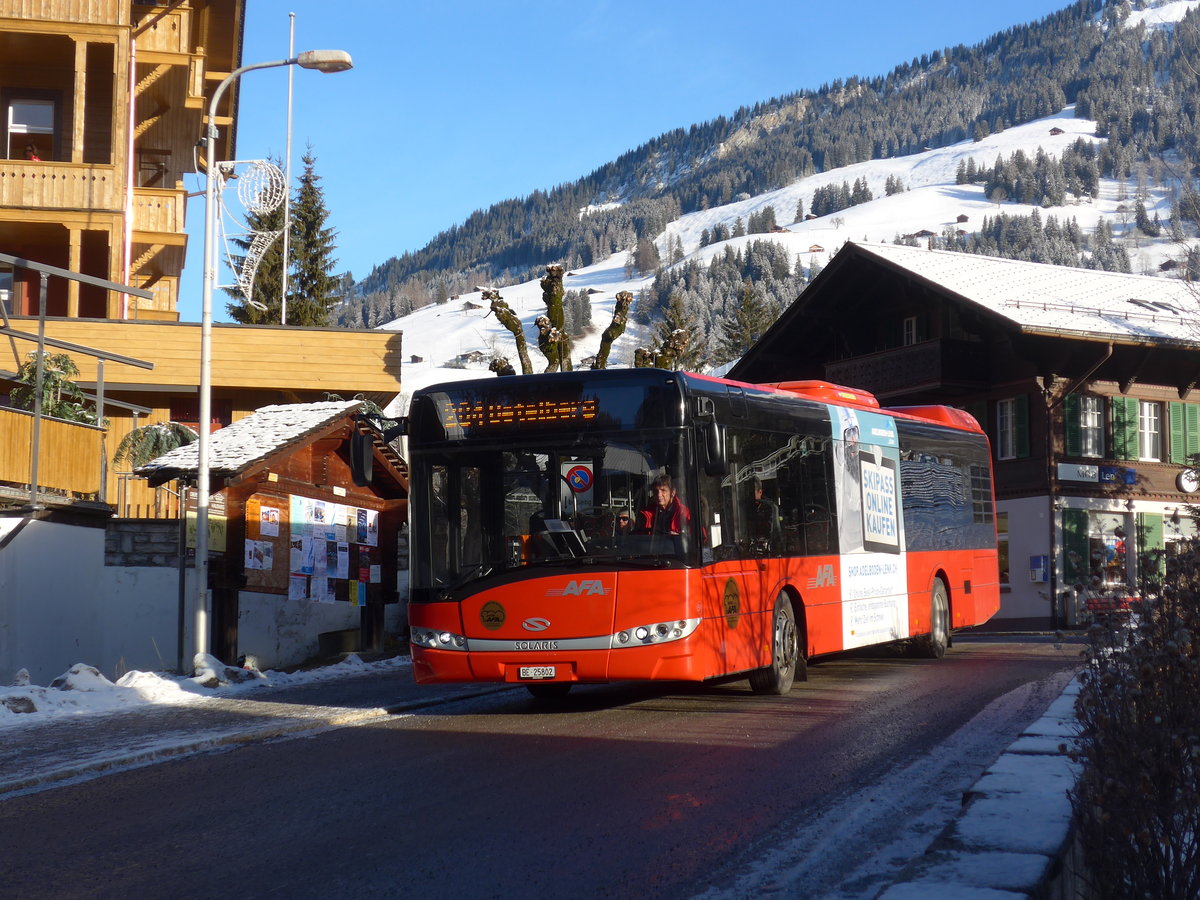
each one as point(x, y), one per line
point(535, 673)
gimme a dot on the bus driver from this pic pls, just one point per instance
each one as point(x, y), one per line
point(666, 513)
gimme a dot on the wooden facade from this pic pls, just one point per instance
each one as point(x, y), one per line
point(315, 468)
point(67, 461)
point(252, 366)
point(111, 95)
point(869, 323)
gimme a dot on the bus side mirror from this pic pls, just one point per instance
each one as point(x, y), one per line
point(362, 458)
point(716, 462)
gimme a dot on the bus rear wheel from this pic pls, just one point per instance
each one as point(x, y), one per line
point(934, 644)
point(778, 677)
point(552, 690)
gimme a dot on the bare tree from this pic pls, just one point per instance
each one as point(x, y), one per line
point(614, 330)
point(554, 340)
point(506, 317)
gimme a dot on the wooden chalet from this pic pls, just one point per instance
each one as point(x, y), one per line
point(309, 544)
point(114, 97)
point(1085, 381)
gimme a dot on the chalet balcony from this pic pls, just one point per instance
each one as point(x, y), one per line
point(29, 185)
point(933, 364)
point(70, 455)
point(158, 212)
point(83, 11)
point(162, 29)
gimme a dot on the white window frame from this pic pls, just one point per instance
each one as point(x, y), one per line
point(1006, 429)
point(908, 329)
point(1091, 426)
point(1149, 431)
point(20, 132)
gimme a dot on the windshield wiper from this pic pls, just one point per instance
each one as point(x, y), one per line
point(471, 573)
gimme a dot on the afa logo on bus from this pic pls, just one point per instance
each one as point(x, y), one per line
point(575, 588)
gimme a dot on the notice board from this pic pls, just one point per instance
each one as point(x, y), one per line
point(311, 550)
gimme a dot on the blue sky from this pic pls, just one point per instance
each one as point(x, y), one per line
point(455, 105)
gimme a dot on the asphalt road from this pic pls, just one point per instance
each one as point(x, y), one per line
point(622, 791)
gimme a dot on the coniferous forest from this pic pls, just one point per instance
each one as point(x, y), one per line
point(1141, 86)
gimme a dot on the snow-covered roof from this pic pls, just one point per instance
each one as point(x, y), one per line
point(250, 440)
point(1059, 300)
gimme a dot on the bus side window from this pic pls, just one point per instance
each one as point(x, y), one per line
point(816, 516)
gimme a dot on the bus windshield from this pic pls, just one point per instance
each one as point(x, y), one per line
point(503, 508)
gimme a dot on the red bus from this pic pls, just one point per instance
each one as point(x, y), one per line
point(633, 524)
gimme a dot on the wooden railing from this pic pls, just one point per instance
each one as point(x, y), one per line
point(69, 458)
point(158, 210)
point(87, 11)
point(901, 368)
point(59, 185)
point(161, 30)
point(135, 499)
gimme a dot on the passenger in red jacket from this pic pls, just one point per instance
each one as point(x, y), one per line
point(666, 513)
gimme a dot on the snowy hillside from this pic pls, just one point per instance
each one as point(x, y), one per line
point(443, 336)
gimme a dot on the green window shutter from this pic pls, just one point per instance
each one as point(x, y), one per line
point(1177, 434)
point(1125, 427)
point(1076, 566)
point(1021, 420)
point(1191, 427)
point(1150, 544)
point(1072, 426)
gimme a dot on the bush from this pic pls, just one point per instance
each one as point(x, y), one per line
point(1137, 802)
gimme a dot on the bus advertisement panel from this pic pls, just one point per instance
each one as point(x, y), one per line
point(644, 524)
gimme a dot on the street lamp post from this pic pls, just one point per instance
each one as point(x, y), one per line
point(322, 61)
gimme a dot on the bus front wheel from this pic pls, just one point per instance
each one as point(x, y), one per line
point(778, 677)
point(934, 644)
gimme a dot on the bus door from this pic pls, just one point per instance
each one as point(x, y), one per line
point(731, 577)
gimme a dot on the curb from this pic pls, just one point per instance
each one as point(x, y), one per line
point(1012, 837)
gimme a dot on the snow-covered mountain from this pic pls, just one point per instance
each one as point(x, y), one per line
point(457, 339)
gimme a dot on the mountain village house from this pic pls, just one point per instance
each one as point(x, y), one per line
point(105, 103)
point(1086, 383)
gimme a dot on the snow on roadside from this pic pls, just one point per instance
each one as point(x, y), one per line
point(83, 690)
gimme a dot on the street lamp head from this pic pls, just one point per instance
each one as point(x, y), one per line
point(325, 60)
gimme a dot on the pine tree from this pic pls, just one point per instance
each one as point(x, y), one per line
point(645, 256)
point(313, 286)
point(739, 332)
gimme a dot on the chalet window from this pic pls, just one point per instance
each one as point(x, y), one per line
point(1012, 428)
point(1149, 431)
point(1137, 429)
point(1184, 435)
point(30, 121)
point(909, 331)
point(1084, 425)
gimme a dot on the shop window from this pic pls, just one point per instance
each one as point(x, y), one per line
point(1096, 556)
